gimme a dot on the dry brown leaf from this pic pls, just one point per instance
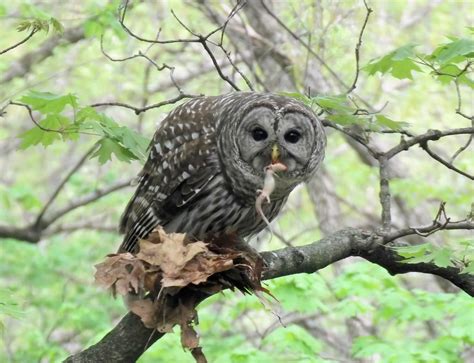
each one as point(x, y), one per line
point(170, 253)
point(124, 273)
point(189, 336)
point(170, 315)
point(198, 355)
point(198, 270)
point(146, 310)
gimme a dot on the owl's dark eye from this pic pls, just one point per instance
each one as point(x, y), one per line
point(292, 136)
point(259, 134)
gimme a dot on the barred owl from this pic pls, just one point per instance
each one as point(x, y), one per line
point(206, 162)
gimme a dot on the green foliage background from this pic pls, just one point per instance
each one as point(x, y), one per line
point(49, 305)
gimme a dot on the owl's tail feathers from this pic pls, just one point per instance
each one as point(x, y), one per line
point(137, 222)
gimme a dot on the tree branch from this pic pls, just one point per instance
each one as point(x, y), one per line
point(32, 233)
point(429, 135)
point(357, 48)
point(130, 338)
point(26, 62)
point(33, 32)
point(139, 110)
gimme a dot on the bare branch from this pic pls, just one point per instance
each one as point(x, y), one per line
point(73, 227)
point(429, 135)
point(87, 199)
point(462, 148)
point(305, 45)
point(26, 234)
point(202, 39)
point(27, 61)
point(428, 230)
point(346, 131)
point(139, 110)
point(61, 185)
point(424, 146)
point(384, 194)
point(122, 15)
point(28, 37)
point(357, 48)
point(33, 233)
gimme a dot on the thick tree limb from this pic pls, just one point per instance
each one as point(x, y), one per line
point(130, 339)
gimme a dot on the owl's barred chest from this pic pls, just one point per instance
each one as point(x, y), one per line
point(219, 211)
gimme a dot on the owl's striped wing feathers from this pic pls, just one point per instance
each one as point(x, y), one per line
point(182, 161)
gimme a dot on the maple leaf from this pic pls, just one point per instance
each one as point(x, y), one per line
point(169, 251)
point(123, 273)
point(198, 269)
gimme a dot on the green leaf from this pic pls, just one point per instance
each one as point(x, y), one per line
point(3, 10)
point(442, 257)
point(389, 123)
point(297, 96)
point(57, 26)
point(106, 19)
point(93, 28)
point(336, 103)
point(365, 346)
point(135, 143)
point(346, 119)
point(414, 251)
point(91, 120)
point(399, 63)
point(46, 102)
point(293, 339)
point(455, 51)
point(107, 147)
point(87, 113)
point(24, 25)
point(469, 269)
point(36, 135)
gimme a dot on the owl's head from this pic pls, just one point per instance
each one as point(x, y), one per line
point(270, 128)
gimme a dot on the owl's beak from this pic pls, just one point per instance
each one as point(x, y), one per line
point(275, 154)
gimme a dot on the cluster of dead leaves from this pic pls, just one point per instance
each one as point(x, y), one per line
point(171, 275)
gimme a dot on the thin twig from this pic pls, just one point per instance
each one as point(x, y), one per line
point(140, 54)
point(139, 110)
point(424, 146)
point(30, 112)
point(59, 131)
point(429, 135)
point(462, 148)
point(87, 199)
point(302, 42)
point(33, 32)
point(459, 106)
point(146, 40)
point(352, 135)
point(460, 225)
point(202, 39)
point(61, 185)
point(357, 48)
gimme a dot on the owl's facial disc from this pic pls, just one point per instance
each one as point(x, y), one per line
point(267, 138)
